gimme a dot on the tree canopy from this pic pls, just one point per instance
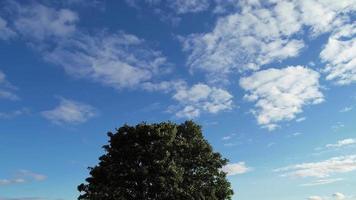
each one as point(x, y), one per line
point(163, 161)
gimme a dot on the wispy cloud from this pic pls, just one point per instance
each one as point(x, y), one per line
point(118, 60)
point(188, 6)
point(346, 109)
point(342, 143)
point(301, 119)
point(23, 176)
point(177, 6)
point(70, 112)
point(228, 137)
point(5, 31)
point(335, 196)
point(322, 169)
point(14, 113)
point(40, 22)
point(337, 126)
point(322, 182)
point(6, 88)
point(296, 134)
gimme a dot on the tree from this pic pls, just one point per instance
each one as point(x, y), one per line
point(162, 161)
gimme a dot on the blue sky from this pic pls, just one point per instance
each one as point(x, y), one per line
point(271, 82)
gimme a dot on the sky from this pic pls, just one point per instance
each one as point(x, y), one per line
point(273, 84)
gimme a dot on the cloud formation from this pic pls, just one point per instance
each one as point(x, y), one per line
point(70, 112)
point(342, 143)
point(323, 182)
point(339, 54)
point(236, 168)
point(335, 196)
point(177, 6)
point(23, 176)
point(280, 94)
point(201, 97)
point(188, 6)
point(245, 40)
point(14, 113)
point(322, 169)
point(118, 60)
point(5, 31)
point(40, 22)
point(315, 198)
point(6, 88)
point(339, 196)
point(256, 33)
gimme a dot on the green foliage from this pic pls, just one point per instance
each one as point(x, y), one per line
point(162, 161)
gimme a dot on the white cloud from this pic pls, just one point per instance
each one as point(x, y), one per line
point(337, 126)
point(339, 196)
point(347, 109)
point(6, 89)
point(256, 33)
point(32, 175)
point(301, 119)
point(228, 137)
point(280, 94)
point(245, 40)
point(164, 86)
point(339, 54)
point(188, 6)
point(335, 196)
point(315, 198)
point(322, 169)
point(23, 176)
point(5, 31)
point(236, 168)
point(11, 181)
point(323, 182)
point(71, 112)
point(342, 143)
point(189, 112)
point(296, 134)
point(39, 21)
point(118, 60)
point(178, 6)
point(224, 6)
point(201, 97)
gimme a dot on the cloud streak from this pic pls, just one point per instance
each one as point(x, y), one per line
point(322, 169)
point(23, 176)
point(70, 112)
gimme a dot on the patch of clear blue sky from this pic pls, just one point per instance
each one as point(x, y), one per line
point(63, 152)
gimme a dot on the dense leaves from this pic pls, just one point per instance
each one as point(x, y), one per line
point(162, 161)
